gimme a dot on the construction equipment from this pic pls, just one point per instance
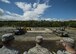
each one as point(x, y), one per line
point(61, 32)
point(20, 31)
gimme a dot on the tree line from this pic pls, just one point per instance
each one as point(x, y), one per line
point(42, 23)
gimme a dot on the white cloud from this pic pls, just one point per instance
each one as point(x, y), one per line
point(52, 19)
point(10, 16)
point(1, 12)
point(32, 16)
point(24, 6)
point(34, 5)
point(57, 19)
point(32, 12)
point(41, 8)
point(6, 1)
point(7, 12)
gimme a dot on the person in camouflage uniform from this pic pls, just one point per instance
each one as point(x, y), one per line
point(68, 44)
point(38, 49)
point(25, 52)
point(7, 40)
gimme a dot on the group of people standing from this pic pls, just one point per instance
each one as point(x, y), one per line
point(7, 40)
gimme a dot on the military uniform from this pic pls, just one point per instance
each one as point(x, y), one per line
point(8, 50)
point(64, 52)
point(70, 42)
point(38, 50)
point(25, 52)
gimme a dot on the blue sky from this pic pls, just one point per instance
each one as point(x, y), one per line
point(38, 9)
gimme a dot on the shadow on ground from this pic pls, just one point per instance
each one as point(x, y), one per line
point(23, 45)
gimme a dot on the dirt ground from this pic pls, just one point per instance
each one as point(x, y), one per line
point(26, 45)
point(26, 41)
